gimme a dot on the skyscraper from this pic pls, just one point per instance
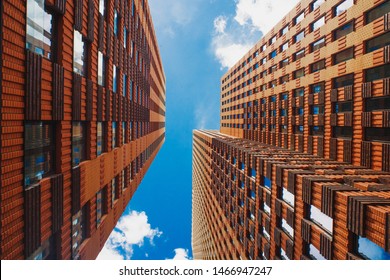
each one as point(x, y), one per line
point(300, 167)
point(82, 92)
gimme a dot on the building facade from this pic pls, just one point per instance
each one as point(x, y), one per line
point(82, 92)
point(300, 167)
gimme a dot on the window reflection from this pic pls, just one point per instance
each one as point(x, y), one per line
point(321, 219)
point(78, 53)
point(78, 143)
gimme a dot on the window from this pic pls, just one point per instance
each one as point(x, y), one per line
point(315, 253)
point(263, 74)
point(39, 151)
point(377, 134)
point(272, 40)
point(45, 252)
point(343, 56)
point(100, 145)
point(39, 33)
point(263, 61)
point(299, 54)
point(378, 12)
point(273, 68)
point(266, 208)
point(377, 104)
point(116, 19)
point(316, 88)
point(252, 173)
point(316, 130)
point(124, 37)
point(101, 198)
point(273, 84)
point(114, 78)
point(78, 143)
point(342, 132)
point(283, 254)
point(299, 18)
point(317, 66)
point(299, 73)
point(377, 73)
point(263, 47)
point(78, 53)
point(284, 30)
point(318, 23)
point(343, 81)
point(101, 69)
point(298, 129)
point(79, 230)
point(102, 7)
point(114, 134)
point(299, 92)
point(114, 190)
point(283, 128)
point(378, 42)
point(284, 62)
point(273, 54)
point(343, 30)
point(321, 219)
point(316, 4)
point(284, 79)
point(124, 132)
point(318, 44)
point(317, 109)
point(343, 6)
point(369, 250)
point(341, 107)
point(299, 36)
point(287, 228)
point(267, 182)
point(284, 47)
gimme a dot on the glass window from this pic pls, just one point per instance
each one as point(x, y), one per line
point(284, 79)
point(283, 254)
point(263, 47)
point(124, 87)
point(114, 134)
point(266, 208)
point(378, 42)
point(315, 253)
point(316, 4)
point(124, 37)
point(116, 23)
point(78, 143)
point(78, 53)
point(273, 84)
point(287, 228)
point(343, 81)
point(321, 219)
point(263, 61)
point(341, 107)
point(343, 6)
point(39, 149)
point(39, 28)
point(266, 235)
point(299, 54)
point(317, 109)
point(377, 134)
point(299, 36)
point(99, 212)
point(299, 73)
point(100, 139)
point(273, 54)
point(284, 63)
point(101, 69)
point(377, 73)
point(298, 129)
point(299, 92)
point(284, 47)
point(318, 23)
point(342, 131)
point(114, 78)
point(343, 30)
point(318, 44)
point(316, 130)
point(316, 88)
point(273, 68)
point(378, 12)
point(288, 197)
point(124, 131)
point(267, 183)
point(272, 40)
point(377, 104)
point(102, 7)
point(299, 18)
point(343, 56)
point(284, 30)
point(317, 66)
point(370, 250)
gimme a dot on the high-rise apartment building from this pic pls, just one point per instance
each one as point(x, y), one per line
point(300, 167)
point(82, 93)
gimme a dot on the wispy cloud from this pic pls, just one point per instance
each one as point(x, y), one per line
point(205, 115)
point(234, 35)
point(132, 230)
point(181, 254)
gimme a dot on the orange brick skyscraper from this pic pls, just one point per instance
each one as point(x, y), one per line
point(300, 167)
point(82, 93)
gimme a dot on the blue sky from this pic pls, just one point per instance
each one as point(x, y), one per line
point(198, 40)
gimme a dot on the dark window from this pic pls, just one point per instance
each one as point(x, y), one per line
point(342, 131)
point(273, 84)
point(377, 73)
point(378, 42)
point(378, 12)
point(318, 44)
point(299, 92)
point(342, 107)
point(343, 81)
point(343, 56)
point(124, 85)
point(39, 151)
point(299, 73)
point(316, 130)
point(39, 29)
point(284, 79)
point(78, 143)
point(316, 88)
point(299, 54)
point(377, 103)
point(317, 66)
point(377, 134)
point(343, 30)
point(100, 145)
point(298, 129)
point(284, 62)
point(317, 109)
point(116, 23)
point(273, 68)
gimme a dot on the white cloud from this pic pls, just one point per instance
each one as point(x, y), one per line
point(233, 37)
point(181, 254)
point(205, 115)
point(131, 230)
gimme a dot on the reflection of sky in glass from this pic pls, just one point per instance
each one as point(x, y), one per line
point(344, 6)
point(267, 209)
point(287, 228)
point(371, 250)
point(283, 254)
point(313, 251)
point(78, 51)
point(288, 197)
point(321, 219)
point(266, 233)
point(100, 69)
point(267, 182)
